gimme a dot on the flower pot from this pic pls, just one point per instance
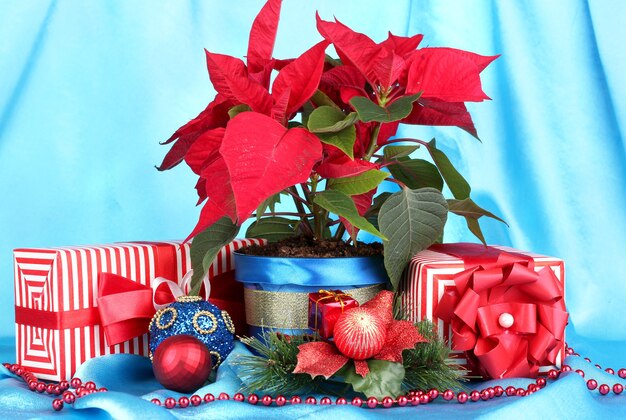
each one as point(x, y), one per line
point(276, 288)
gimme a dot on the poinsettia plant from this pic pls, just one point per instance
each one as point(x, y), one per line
point(323, 135)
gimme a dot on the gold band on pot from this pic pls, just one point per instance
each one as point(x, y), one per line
point(289, 310)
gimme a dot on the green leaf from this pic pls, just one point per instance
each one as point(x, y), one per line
point(238, 109)
point(343, 140)
point(358, 184)
point(294, 124)
point(342, 205)
point(334, 127)
point(332, 61)
point(272, 228)
point(270, 202)
point(319, 98)
point(378, 201)
point(370, 111)
point(412, 220)
point(416, 173)
point(307, 109)
point(372, 213)
point(472, 212)
point(326, 119)
point(206, 245)
point(457, 184)
point(384, 379)
point(395, 152)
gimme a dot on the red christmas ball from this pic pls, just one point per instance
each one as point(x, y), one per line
point(360, 333)
point(181, 363)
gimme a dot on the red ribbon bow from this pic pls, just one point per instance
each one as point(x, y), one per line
point(503, 313)
point(126, 307)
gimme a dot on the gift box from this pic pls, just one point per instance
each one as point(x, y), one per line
point(501, 309)
point(325, 307)
point(56, 291)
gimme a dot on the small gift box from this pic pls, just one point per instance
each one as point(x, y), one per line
point(325, 307)
point(58, 324)
point(501, 309)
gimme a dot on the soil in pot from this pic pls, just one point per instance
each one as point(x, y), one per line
point(306, 247)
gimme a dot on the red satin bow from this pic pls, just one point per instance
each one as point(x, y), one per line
point(126, 307)
point(496, 283)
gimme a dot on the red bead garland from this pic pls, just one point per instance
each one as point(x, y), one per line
point(295, 400)
point(67, 396)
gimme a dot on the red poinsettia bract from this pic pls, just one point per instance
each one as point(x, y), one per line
point(324, 358)
point(445, 77)
point(242, 146)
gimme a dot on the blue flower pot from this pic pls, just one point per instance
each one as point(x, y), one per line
point(276, 288)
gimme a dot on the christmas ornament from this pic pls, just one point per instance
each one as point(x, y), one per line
point(182, 363)
point(360, 333)
point(358, 338)
point(192, 315)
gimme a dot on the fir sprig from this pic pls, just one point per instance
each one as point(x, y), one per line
point(428, 364)
point(271, 371)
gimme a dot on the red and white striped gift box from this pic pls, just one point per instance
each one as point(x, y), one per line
point(431, 273)
point(55, 298)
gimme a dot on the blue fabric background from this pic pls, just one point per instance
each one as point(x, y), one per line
point(87, 89)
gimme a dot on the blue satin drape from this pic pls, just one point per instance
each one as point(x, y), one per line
point(87, 89)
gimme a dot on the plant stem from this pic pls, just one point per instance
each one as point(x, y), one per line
point(373, 143)
point(404, 140)
point(395, 181)
point(306, 226)
point(320, 215)
point(341, 229)
point(306, 192)
point(320, 224)
point(300, 215)
point(295, 196)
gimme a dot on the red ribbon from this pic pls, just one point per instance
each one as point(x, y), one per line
point(38, 318)
point(493, 283)
point(126, 307)
point(164, 257)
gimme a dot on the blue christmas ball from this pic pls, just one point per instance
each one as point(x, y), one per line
point(192, 315)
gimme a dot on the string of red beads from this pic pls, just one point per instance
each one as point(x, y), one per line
point(413, 398)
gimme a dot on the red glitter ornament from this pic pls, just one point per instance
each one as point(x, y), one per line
point(182, 363)
point(360, 333)
point(356, 340)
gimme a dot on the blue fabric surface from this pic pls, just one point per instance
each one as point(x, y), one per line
point(132, 385)
point(89, 88)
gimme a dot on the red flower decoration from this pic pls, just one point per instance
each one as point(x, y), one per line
point(324, 358)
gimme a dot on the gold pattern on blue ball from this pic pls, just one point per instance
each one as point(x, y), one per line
point(229, 322)
point(197, 318)
point(201, 317)
point(216, 359)
point(163, 314)
point(185, 298)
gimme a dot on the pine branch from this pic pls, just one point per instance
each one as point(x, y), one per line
point(428, 365)
point(271, 371)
